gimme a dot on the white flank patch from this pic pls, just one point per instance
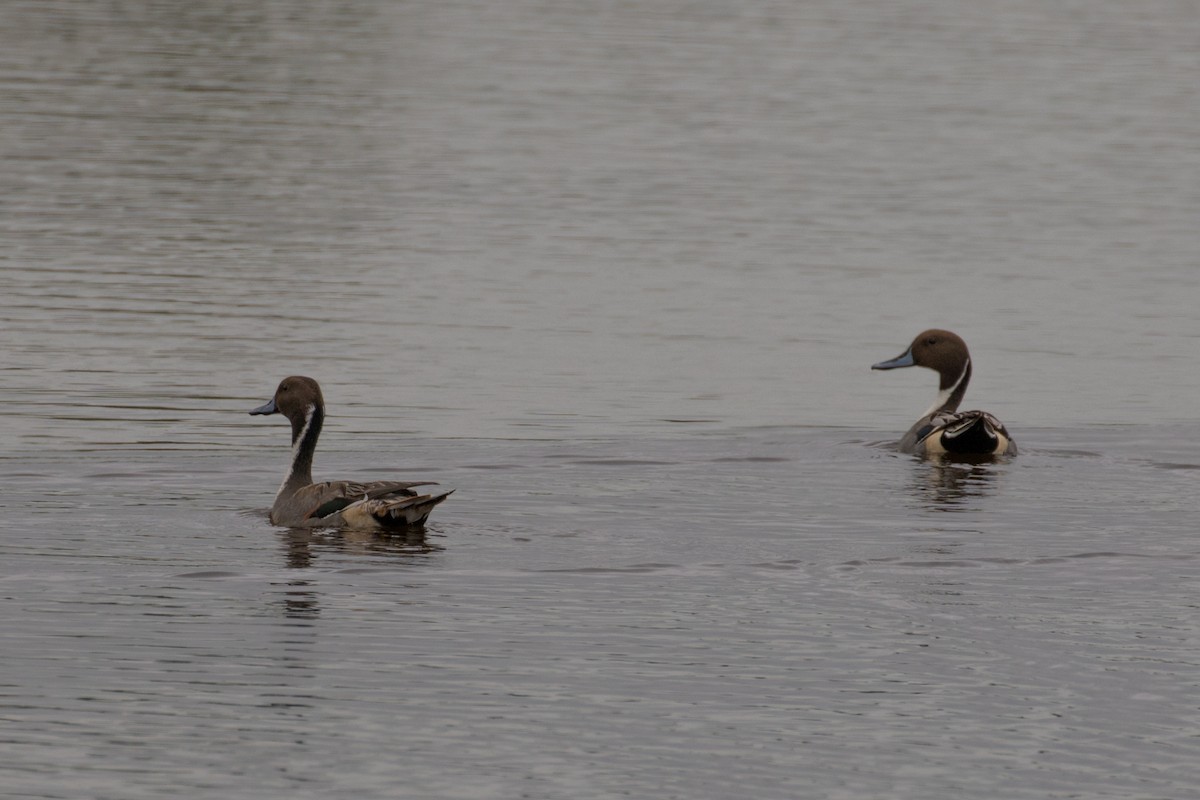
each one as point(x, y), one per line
point(944, 395)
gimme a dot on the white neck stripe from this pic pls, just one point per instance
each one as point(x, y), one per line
point(944, 395)
point(308, 418)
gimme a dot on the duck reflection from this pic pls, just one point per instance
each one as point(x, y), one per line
point(300, 600)
point(303, 548)
point(946, 485)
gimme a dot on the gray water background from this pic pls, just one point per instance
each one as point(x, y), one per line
point(617, 273)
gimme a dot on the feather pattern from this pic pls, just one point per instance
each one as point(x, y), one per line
point(382, 505)
point(943, 429)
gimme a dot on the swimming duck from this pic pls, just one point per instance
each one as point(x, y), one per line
point(300, 503)
point(943, 429)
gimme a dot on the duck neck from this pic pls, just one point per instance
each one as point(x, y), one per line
point(305, 431)
point(951, 391)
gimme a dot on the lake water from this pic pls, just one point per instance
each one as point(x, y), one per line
point(616, 272)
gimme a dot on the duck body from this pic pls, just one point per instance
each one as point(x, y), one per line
point(958, 433)
point(300, 503)
point(943, 429)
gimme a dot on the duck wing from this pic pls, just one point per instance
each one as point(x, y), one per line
point(330, 497)
point(392, 512)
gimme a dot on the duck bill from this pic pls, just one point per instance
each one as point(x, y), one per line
point(905, 360)
point(268, 407)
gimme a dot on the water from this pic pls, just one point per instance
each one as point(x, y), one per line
point(617, 273)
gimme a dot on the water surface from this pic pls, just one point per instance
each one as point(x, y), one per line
point(617, 274)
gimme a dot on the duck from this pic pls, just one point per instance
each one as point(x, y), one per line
point(943, 429)
point(300, 503)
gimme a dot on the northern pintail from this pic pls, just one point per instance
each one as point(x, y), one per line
point(300, 503)
point(943, 429)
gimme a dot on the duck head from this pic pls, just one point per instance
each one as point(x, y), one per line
point(946, 354)
point(299, 399)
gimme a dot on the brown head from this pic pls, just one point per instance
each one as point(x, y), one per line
point(299, 399)
point(946, 354)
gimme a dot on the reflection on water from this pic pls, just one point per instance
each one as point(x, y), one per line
point(303, 548)
point(300, 600)
point(297, 547)
point(952, 485)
